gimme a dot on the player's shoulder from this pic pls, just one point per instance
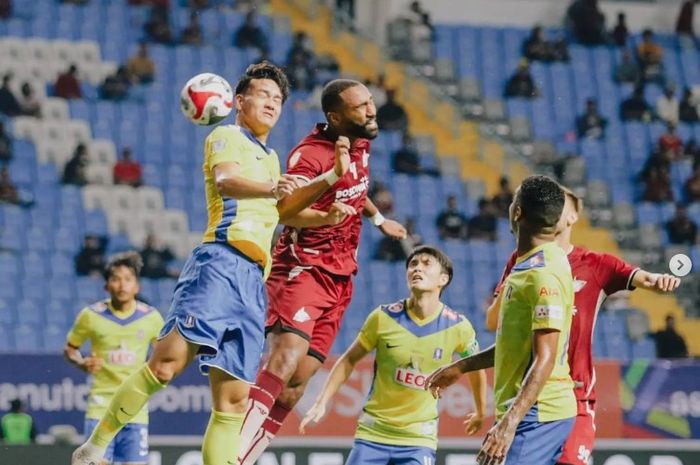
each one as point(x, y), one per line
point(392, 309)
point(99, 307)
point(226, 134)
point(144, 308)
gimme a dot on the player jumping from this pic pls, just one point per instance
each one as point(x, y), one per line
point(310, 285)
point(412, 338)
point(533, 392)
point(596, 276)
point(120, 330)
point(218, 309)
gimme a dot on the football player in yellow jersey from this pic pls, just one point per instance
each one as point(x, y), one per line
point(219, 305)
point(120, 330)
point(533, 392)
point(412, 338)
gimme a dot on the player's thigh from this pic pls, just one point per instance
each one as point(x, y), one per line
point(171, 355)
point(328, 324)
point(578, 448)
point(368, 453)
point(228, 393)
point(407, 455)
point(538, 443)
point(131, 445)
point(287, 348)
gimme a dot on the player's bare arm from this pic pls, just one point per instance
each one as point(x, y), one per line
point(339, 374)
point(91, 364)
point(474, 420)
point(446, 376)
point(390, 228)
point(492, 313)
point(231, 183)
point(308, 194)
point(500, 436)
point(660, 282)
point(312, 218)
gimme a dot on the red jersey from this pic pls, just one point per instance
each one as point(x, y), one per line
point(332, 248)
point(596, 276)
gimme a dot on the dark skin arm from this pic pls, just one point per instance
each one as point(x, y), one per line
point(446, 376)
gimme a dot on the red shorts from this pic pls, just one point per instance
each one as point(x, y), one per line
point(310, 302)
point(578, 448)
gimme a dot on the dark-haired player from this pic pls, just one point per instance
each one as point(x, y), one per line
point(218, 309)
point(120, 330)
point(412, 337)
point(311, 281)
point(533, 392)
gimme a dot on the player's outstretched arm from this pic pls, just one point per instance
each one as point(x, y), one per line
point(230, 183)
point(474, 421)
point(312, 218)
point(500, 436)
point(446, 376)
point(308, 194)
point(390, 228)
point(339, 374)
point(655, 281)
point(89, 364)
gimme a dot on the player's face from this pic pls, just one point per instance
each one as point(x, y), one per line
point(569, 215)
point(122, 285)
point(358, 115)
point(424, 273)
point(260, 106)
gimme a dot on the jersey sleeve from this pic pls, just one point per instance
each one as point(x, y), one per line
point(225, 145)
point(549, 302)
point(614, 274)
point(305, 162)
point(468, 345)
point(506, 272)
point(156, 326)
point(369, 332)
point(80, 330)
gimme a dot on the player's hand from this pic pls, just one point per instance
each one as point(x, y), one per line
point(338, 212)
point(495, 447)
point(342, 156)
point(393, 229)
point(315, 413)
point(93, 363)
point(442, 378)
point(285, 186)
point(473, 423)
point(661, 282)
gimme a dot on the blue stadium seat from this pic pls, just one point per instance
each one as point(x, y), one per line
point(27, 339)
point(29, 313)
point(7, 342)
point(54, 338)
point(647, 214)
point(644, 349)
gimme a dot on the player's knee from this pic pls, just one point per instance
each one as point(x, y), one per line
point(164, 372)
point(284, 361)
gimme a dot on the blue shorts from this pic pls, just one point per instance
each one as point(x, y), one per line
point(373, 453)
point(220, 304)
point(538, 443)
point(129, 446)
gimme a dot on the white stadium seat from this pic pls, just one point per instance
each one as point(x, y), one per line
point(150, 199)
point(103, 151)
point(124, 198)
point(99, 174)
point(176, 221)
point(55, 108)
point(97, 198)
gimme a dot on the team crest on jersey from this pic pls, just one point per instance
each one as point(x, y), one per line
point(437, 354)
point(449, 314)
point(395, 307)
point(578, 284)
point(190, 320)
point(218, 145)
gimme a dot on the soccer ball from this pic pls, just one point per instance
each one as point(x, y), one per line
point(206, 99)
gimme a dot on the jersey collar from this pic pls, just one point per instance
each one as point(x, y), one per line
point(255, 140)
point(425, 321)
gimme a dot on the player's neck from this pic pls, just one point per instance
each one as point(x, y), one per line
point(262, 138)
point(333, 133)
point(527, 242)
point(122, 307)
point(425, 304)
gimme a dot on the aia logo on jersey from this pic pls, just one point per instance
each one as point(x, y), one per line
point(549, 292)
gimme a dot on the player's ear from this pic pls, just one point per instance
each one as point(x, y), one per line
point(444, 279)
point(239, 102)
point(517, 213)
point(333, 118)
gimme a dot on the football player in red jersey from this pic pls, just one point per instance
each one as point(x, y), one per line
point(310, 285)
point(596, 276)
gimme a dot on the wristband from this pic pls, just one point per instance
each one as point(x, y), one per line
point(377, 219)
point(330, 177)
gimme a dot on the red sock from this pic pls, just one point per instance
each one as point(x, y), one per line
point(264, 436)
point(260, 400)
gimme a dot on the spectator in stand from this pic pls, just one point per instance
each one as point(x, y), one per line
point(141, 67)
point(628, 70)
point(681, 229)
point(587, 22)
point(5, 9)
point(5, 145)
point(670, 144)
point(192, 35)
point(28, 103)
point(620, 33)
point(382, 198)
point(67, 85)
point(8, 191)
point(127, 171)
point(301, 73)
point(692, 186)
point(75, 171)
point(591, 124)
point(537, 48)
point(250, 34)
point(684, 24)
point(667, 107)
point(391, 116)
point(670, 344)
point(90, 261)
point(687, 109)
point(155, 259)
point(521, 83)
point(301, 46)
point(406, 160)
point(392, 250)
point(451, 223)
point(8, 102)
point(157, 27)
point(483, 225)
point(17, 427)
point(503, 198)
point(692, 151)
point(635, 107)
point(378, 90)
point(650, 56)
point(657, 186)
point(116, 86)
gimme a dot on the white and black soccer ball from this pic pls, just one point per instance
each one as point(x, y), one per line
point(206, 99)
